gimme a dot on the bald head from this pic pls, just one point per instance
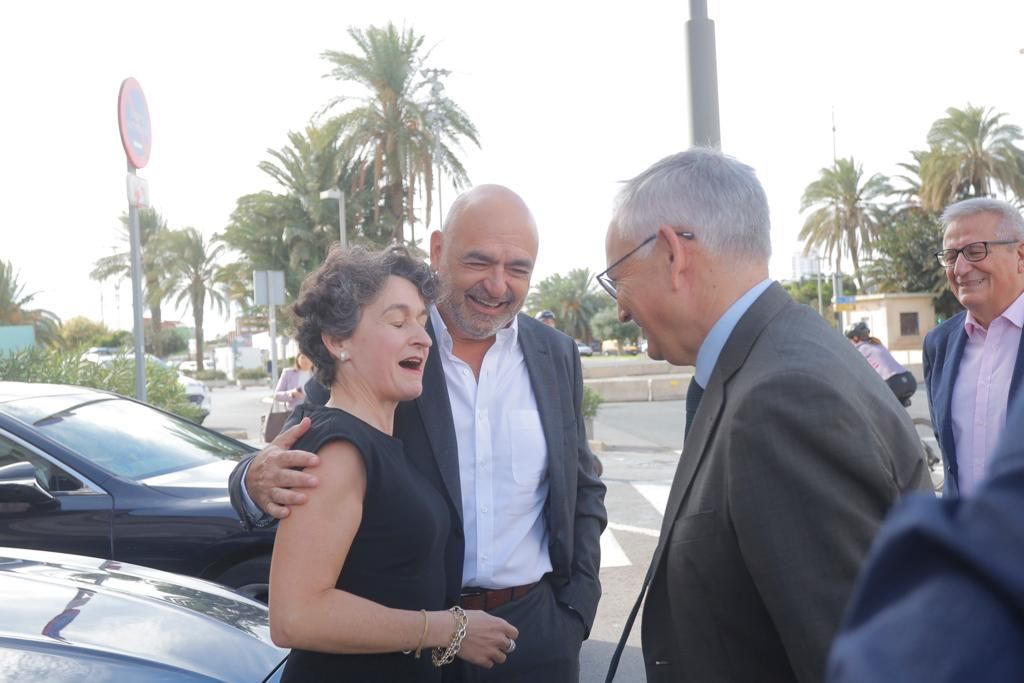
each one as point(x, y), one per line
point(490, 205)
point(484, 255)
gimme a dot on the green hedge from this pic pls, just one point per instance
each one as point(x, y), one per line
point(252, 373)
point(63, 367)
point(206, 375)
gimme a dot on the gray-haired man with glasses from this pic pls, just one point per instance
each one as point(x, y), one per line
point(973, 362)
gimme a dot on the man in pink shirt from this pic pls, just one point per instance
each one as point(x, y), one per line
point(974, 361)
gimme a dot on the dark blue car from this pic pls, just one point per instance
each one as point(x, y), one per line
point(93, 473)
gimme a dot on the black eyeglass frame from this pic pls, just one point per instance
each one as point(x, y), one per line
point(950, 262)
point(608, 283)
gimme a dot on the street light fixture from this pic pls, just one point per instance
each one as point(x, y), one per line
point(336, 193)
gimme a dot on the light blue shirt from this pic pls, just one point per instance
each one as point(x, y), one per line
point(711, 348)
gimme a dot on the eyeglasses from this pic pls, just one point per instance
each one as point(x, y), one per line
point(975, 251)
point(608, 282)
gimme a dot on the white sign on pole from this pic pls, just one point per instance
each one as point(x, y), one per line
point(266, 282)
point(138, 191)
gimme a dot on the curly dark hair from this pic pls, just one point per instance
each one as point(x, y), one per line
point(333, 296)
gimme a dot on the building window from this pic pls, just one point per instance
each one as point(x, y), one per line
point(909, 325)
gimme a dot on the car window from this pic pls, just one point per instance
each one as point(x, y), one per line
point(135, 441)
point(49, 476)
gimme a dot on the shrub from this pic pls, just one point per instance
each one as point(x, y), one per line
point(206, 375)
point(252, 373)
point(591, 402)
point(55, 367)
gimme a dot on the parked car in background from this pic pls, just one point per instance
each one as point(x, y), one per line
point(611, 347)
point(198, 394)
point(93, 473)
point(585, 349)
point(68, 618)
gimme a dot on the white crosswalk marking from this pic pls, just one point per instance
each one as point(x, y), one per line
point(612, 553)
point(656, 495)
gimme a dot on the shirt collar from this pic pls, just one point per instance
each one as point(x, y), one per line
point(1014, 314)
point(506, 337)
point(711, 347)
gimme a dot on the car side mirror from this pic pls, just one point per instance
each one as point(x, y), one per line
point(18, 484)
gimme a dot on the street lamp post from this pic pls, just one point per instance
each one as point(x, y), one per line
point(703, 71)
point(336, 193)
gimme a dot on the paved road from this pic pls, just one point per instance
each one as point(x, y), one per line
point(642, 442)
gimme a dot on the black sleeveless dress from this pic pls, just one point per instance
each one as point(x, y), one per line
point(397, 555)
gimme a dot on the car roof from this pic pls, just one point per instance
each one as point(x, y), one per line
point(101, 616)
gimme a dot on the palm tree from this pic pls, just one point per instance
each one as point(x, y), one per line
point(152, 229)
point(972, 154)
point(397, 132)
point(847, 211)
point(194, 277)
point(14, 308)
point(572, 299)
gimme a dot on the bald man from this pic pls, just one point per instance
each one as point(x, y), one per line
point(498, 429)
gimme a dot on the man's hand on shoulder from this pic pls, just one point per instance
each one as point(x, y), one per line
point(271, 477)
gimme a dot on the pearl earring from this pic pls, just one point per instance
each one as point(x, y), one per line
point(343, 356)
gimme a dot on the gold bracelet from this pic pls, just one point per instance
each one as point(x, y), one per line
point(423, 636)
point(442, 656)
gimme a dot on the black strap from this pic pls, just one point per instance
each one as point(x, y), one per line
point(617, 655)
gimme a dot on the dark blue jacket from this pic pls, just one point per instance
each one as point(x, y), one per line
point(943, 350)
point(941, 597)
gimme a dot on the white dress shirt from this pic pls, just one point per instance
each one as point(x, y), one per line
point(503, 462)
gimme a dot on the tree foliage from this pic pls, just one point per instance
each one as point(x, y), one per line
point(14, 308)
point(972, 153)
point(194, 278)
point(573, 300)
point(846, 211)
point(401, 127)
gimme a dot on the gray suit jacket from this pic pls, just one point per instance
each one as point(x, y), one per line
point(575, 508)
point(797, 451)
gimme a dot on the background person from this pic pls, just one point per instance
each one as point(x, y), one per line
point(499, 429)
point(356, 579)
point(548, 318)
point(899, 379)
point(290, 387)
point(776, 499)
point(974, 362)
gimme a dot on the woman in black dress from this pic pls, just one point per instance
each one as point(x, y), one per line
point(357, 583)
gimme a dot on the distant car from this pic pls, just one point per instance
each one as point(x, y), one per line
point(93, 473)
point(611, 347)
point(187, 366)
point(585, 349)
point(68, 618)
point(198, 394)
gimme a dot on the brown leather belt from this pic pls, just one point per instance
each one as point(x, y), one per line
point(481, 598)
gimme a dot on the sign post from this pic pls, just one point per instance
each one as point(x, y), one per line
point(268, 290)
point(137, 139)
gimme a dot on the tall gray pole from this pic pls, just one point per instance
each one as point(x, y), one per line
point(135, 245)
point(700, 40)
point(272, 314)
point(341, 219)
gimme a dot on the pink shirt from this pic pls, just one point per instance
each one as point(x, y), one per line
point(981, 391)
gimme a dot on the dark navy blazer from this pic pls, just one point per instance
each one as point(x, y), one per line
point(941, 596)
point(943, 350)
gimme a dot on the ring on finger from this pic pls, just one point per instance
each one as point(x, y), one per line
point(511, 647)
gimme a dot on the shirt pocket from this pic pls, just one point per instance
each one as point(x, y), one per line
point(527, 448)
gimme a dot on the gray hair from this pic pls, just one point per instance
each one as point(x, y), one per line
point(1011, 223)
point(333, 296)
point(715, 195)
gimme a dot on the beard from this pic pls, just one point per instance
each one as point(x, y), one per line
point(469, 322)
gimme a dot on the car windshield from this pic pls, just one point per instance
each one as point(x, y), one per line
point(134, 441)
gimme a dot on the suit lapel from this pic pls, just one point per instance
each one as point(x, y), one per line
point(540, 365)
point(950, 370)
point(436, 410)
point(733, 355)
point(1018, 373)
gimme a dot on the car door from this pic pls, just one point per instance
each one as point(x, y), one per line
point(44, 505)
